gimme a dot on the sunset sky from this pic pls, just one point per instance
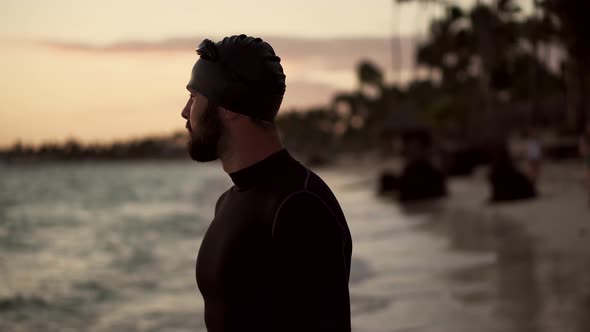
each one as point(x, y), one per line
point(104, 70)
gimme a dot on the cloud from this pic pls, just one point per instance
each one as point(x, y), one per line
point(168, 45)
point(301, 95)
point(328, 54)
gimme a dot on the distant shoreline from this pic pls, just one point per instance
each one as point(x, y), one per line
point(34, 162)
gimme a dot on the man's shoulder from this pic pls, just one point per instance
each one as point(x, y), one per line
point(220, 200)
point(300, 198)
point(312, 197)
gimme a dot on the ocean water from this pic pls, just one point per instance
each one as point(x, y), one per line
point(112, 246)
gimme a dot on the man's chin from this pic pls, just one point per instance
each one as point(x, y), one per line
point(202, 154)
point(203, 158)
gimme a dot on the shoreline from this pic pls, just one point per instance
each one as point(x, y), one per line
point(559, 218)
point(540, 278)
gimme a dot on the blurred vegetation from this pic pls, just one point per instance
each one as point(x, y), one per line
point(489, 69)
point(148, 148)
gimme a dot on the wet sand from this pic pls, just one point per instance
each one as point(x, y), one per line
point(509, 267)
point(542, 246)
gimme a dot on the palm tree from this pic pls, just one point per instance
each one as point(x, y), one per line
point(571, 32)
point(369, 76)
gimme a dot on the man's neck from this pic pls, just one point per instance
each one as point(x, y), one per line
point(248, 155)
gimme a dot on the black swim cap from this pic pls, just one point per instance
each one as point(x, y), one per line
point(241, 74)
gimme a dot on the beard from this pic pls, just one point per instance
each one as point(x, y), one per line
point(204, 142)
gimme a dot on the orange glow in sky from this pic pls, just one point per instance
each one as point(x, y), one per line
point(72, 69)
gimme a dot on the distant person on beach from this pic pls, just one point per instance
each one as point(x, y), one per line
point(507, 183)
point(276, 256)
point(534, 154)
point(585, 153)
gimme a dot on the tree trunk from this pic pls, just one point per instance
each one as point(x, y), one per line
point(582, 101)
point(570, 85)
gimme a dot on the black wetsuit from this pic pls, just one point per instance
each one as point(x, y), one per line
point(276, 257)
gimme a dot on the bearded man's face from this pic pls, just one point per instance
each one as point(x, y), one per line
point(204, 126)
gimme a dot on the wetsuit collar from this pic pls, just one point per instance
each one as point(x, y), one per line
point(259, 172)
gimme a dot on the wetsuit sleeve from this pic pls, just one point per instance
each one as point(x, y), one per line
point(310, 283)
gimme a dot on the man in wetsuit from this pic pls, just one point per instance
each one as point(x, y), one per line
point(276, 256)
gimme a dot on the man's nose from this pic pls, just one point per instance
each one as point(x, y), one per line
point(186, 110)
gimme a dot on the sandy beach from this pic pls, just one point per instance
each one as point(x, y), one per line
point(559, 219)
point(542, 246)
point(531, 269)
